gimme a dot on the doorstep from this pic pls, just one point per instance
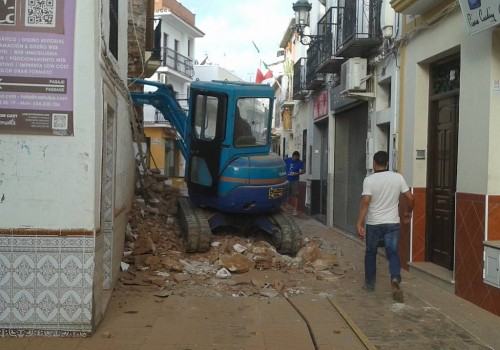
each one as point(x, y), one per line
point(435, 274)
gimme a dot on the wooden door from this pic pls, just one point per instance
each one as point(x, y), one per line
point(442, 163)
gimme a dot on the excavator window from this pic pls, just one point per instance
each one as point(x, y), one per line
point(205, 118)
point(251, 121)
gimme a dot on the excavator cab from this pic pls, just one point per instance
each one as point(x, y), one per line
point(230, 166)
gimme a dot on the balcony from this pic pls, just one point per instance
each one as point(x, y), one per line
point(176, 61)
point(299, 79)
point(414, 7)
point(314, 79)
point(328, 59)
point(352, 30)
point(358, 31)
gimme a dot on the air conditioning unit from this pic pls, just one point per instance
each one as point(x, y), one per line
point(353, 74)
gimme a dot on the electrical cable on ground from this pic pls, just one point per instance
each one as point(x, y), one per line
point(313, 338)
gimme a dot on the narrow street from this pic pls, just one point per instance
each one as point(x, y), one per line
point(166, 299)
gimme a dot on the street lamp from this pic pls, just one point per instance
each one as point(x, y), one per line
point(302, 9)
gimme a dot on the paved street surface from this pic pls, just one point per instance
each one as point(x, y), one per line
point(311, 311)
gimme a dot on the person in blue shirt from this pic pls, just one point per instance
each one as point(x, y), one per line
point(294, 168)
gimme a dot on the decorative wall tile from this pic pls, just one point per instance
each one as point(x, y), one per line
point(47, 270)
point(493, 218)
point(46, 306)
point(71, 271)
point(470, 227)
point(71, 306)
point(5, 308)
point(88, 268)
point(46, 284)
point(23, 306)
point(23, 271)
point(419, 217)
point(87, 307)
point(5, 269)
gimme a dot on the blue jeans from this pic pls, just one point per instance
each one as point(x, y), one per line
point(390, 234)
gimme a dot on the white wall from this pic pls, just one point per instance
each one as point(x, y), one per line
point(49, 182)
point(494, 127)
point(53, 182)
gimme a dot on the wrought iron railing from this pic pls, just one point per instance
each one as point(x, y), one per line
point(347, 30)
point(327, 28)
point(176, 61)
point(299, 75)
point(358, 20)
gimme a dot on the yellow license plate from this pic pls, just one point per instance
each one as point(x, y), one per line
point(275, 193)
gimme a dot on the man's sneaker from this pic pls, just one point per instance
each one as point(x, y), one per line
point(397, 293)
point(295, 213)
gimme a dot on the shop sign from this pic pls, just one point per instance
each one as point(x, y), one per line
point(480, 15)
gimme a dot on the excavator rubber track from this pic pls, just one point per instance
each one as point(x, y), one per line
point(288, 238)
point(195, 228)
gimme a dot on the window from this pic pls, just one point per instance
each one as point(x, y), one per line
point(113, 28)
point(205, 118)
point(251, 122)
point(164, 49)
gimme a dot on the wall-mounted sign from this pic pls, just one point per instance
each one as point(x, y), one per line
point(480, 14)
point(36, 67)
point(320, 105)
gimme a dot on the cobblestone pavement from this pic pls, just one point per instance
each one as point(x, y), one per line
point(205, 313)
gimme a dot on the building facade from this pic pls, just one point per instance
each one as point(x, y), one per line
point(174, 35)
point(67, 178)
point(450, 102)
point(418, 79)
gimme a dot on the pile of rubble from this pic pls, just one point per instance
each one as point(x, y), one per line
point(154, 255)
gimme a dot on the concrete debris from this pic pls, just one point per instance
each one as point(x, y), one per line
point(320, 264)
point(237, 263)
point(269, 291)
point(180, 277)
point(239, 248)
point(163, 293)
point(154, 255)
point(223, 273)
point(308, 253)
point(156, 280)
point(124, 266)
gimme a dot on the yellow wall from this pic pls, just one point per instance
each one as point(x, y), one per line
point(157, 147)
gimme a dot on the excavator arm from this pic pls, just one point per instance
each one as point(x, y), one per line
point(163, 99)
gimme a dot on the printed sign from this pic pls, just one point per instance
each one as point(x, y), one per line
point(320, 105)
point(36, 66)
point(480, 14)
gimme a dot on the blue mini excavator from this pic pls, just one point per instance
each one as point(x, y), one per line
point(233, 179)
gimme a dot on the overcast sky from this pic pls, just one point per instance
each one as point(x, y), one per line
point(230, 26)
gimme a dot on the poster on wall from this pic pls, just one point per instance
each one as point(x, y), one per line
point(36, 67)
point(320, 105)
point(480, 14)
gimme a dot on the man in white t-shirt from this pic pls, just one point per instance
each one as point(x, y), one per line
point(380, 207)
